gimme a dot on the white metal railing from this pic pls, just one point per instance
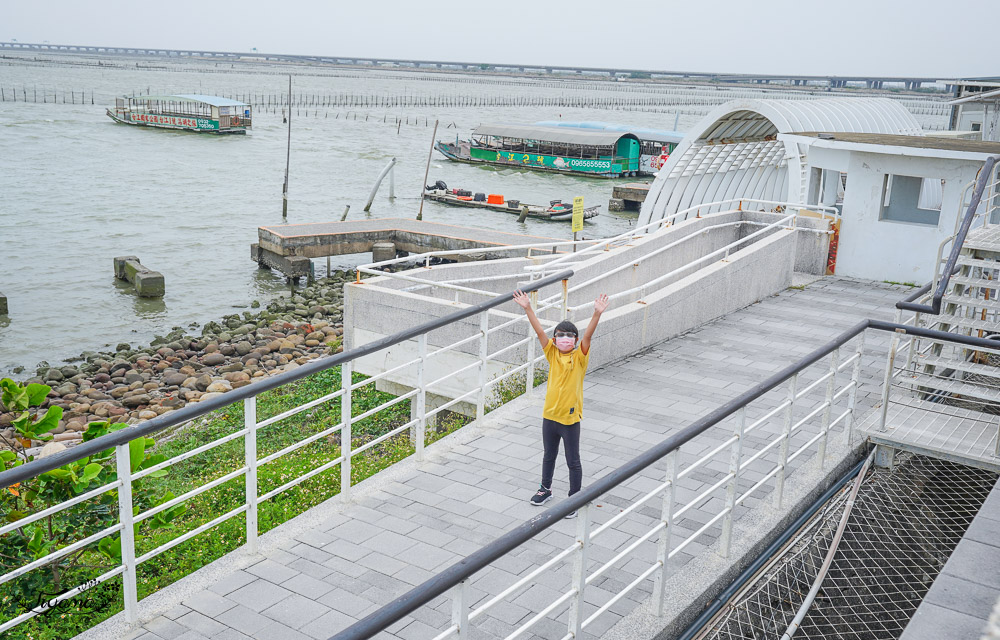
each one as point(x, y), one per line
point(478, 394)
point(590, 249)
point(765, 444)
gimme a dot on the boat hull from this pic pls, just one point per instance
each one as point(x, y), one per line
point(452, 153)
point(534, 211)
point(175, 124)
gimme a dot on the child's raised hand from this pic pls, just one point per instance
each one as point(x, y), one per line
point(522, 299)
point(601, 304)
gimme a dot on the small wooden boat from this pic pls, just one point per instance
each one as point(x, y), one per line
point(189, 112)
point(556, 210)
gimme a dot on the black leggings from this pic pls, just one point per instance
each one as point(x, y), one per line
point(552, 433)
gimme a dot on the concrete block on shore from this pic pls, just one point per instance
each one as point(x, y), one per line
point(148, 283)
point(3, 304)
point(383, 251)
point(616, 204)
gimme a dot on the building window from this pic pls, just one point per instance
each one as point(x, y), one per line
point(977, 126)
point(910, 199)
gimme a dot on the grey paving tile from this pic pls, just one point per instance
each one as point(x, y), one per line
point(164, 628)
point(932, 622)
point(232, 582)
point(243, 619)
point(328, 624)
point(209, 603)
point(273, 571)
point(295, 611)
point(307, 586)
point(259, 595)
point(348, 603)
point(201, 623)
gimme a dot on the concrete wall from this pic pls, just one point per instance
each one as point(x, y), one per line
point(878, 249)
point(758, 268)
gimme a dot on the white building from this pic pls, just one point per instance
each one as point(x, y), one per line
point(898, 192)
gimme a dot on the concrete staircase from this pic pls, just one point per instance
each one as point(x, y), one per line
point(948, 373)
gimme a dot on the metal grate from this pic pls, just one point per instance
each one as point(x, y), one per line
point(904, 526)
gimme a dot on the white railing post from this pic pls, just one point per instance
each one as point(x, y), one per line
point(129, 591)
point(831, 386)
point(855, 383)
point(565, 299)
point(735, 455)
point(532, 340)
point(889, 364)
point(420, 429)
point(460, 609)
point(250, 440)
point(345, 431)
point(580, 571)
point(484, 328)
point(786, 437)
point(663, 546)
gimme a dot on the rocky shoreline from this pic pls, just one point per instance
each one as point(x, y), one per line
point(132, 385)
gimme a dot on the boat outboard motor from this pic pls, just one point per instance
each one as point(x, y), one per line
point(438, 185)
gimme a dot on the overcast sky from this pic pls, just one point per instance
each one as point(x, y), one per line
point(923, 38)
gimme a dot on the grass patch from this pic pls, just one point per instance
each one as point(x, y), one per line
point(105, 600)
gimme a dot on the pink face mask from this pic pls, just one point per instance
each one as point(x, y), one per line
point(565, 344)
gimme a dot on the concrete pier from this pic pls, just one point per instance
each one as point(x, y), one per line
point(288, 247)
point(148, 283)
point(3, 304)
point(628, 197)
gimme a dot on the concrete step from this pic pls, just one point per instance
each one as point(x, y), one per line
point(926, 386)
point(973, 261)
point(988, 327)
point(971, 302)
point(941, 364)
point(973, 281)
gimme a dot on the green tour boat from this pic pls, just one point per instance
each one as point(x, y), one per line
point(188, 112)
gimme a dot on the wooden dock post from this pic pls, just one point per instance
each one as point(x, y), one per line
point(427, 170)
point(288, 154)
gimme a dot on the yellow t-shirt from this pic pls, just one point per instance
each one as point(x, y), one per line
point(564, 396)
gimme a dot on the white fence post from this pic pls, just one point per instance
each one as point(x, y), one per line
point(779, 482)
point(484, 328)
point(831, 386)
point(250, 440)
point(580, 571)
point(856, 382)
point(532, 340)
point(421, 426)
point(889, 364)
point(460, 609)
point(345, 431)
point(663, 547)
point(735, 455)
point(124, 468)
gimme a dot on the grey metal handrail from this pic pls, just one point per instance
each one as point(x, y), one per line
point(951, 266)
point(173, 418)
point(463, 569)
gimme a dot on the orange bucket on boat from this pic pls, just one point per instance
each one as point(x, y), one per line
point(494, 199)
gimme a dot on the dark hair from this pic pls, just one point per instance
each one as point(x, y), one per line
point(568, 327)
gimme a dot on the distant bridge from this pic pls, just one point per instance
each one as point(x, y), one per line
point(872, 82)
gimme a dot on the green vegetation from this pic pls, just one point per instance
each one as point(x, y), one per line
point(104, 600)
point(904, 284)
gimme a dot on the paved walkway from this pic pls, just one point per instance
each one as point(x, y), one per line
point(417, 518)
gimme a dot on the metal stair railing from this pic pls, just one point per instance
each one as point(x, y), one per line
point(456, 578)
point(951, 266)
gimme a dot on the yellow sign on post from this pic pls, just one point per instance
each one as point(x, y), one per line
point(577, 214)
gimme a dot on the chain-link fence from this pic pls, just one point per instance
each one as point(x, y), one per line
point(903, 527)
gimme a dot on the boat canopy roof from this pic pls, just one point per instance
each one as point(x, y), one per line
point(651, 135)
point(562, 135)
point(214, 101)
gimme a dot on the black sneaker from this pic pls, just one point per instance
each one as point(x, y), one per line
point(541, 496)
point(570, 515)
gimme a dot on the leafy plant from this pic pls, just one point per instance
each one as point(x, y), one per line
point(42, 537)
point(23, 401)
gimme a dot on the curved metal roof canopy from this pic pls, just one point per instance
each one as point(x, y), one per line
point(734, 151)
